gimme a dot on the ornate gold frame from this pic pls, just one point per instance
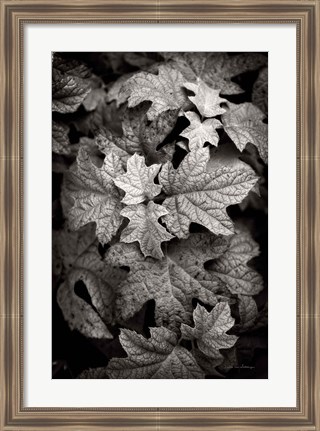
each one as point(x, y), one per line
point(14, 15)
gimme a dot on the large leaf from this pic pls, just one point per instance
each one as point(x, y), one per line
point(164, 91)
point(243, 123)
point(198, 133)
point(96, 198)
point(206, 99)
point(138, 181)
point(171, 282)
point(195, 195)
point(90, 319)
point(210, 329)
point(216, 69)
point(158, 357)
point(145, 228)
point(232, 268)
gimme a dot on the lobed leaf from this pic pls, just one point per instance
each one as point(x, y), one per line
point(158, 357)
point(195, 195)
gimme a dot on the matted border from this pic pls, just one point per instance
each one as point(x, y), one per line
point(14, 15)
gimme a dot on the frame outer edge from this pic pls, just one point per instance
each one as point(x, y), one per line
point(10, 230)
point(316, 95)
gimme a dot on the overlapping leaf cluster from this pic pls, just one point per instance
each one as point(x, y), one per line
point(152, 153)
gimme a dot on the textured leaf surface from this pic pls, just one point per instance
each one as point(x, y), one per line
point(89, 319)
point(206, 99)
point(158, 357)
point(248, 311)
point(106, 142)
point(210, 329)
point(70, 66)
point(164, 90)
point(96, 198)
point(243, 123)
point(114, 91)
point(138, 181)
point(145, 228)
point(216, 69)
point(232, 267)
point(198, 196)
point(198, 133)
point(68, 92)
point(260, 91)
point(69, 245)
point(60, 140)
point(172, 282)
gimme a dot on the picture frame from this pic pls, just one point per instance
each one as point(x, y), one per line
point(14, 15)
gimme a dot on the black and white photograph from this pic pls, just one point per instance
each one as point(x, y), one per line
point(160, 215)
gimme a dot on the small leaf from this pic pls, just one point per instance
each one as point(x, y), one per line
point(206, 99)
point(96, 198)
point(195, 195)
point(145, 228)
point(158, 357)
point(210, 329)
point(163, 90)
point(138, 182)
point(243, 123)
point(199, 133)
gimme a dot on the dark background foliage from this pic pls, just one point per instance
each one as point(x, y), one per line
point(72, 352)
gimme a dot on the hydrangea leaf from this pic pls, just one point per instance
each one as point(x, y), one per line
point(208, 365)
point(210, 329)
point(158, 357)
point(68, 92)
point(145, 228)
point(216, 69)
point(164, 91)
point(68, 245)
point(260, 91)
point(114, 90)
point(171, 282)
point(96, 198)
point(187, 258)
point(60, 139)
point(90, 319)
point(232, 268)
point(243, 123)
point(206, 99)
point(96, 97)
point(195, 195)
point(198, 133)
point(70, 67)
point(106, 143)
point(143, 60)
point(248, 311)
point(138, 181)
point(142, 136)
